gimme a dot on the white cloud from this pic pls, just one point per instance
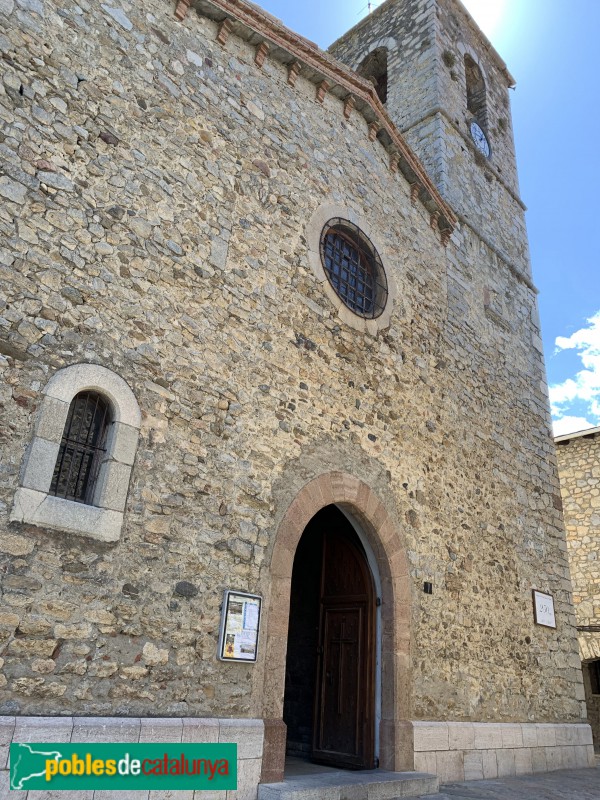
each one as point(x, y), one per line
point(582, 390)
point(566, 425)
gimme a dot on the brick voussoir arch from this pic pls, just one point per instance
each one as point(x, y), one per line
point(356, 497)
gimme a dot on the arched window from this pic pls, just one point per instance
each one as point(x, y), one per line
point(76, 472)
point(82, 448)
point(476, 92)
point(374, 67)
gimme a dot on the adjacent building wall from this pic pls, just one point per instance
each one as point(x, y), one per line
point(578, 458)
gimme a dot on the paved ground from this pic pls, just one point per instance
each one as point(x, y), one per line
point(568, 784)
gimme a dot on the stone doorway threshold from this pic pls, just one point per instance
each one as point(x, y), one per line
point(306, 781)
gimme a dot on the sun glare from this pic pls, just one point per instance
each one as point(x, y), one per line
point(487, 14)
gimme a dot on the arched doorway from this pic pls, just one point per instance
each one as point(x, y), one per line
point(387, 551)
point(331, 662)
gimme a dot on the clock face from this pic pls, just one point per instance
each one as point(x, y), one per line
point(480, 139)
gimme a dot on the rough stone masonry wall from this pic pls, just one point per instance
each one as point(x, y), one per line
point(486, 564)
point(486, 303)
point(457, 34)
point(404, 28)
point(157, 192)
point(488, 197)
point(579, 470)
point(427, 99)
point(407, 31)
point(157, 189)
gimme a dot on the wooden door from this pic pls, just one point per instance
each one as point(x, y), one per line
point(343, 732)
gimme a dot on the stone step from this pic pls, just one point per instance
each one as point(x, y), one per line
point(376, 784)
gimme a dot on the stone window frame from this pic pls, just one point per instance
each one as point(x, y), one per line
point(33, 504)
point(315, 226)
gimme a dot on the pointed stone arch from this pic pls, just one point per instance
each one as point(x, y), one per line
point(355, 496)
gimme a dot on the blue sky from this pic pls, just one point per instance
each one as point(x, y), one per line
point(552, 48)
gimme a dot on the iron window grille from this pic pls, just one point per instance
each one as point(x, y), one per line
point(353, 268)
point(82, 447)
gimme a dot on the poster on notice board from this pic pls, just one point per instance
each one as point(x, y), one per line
point(240, 623)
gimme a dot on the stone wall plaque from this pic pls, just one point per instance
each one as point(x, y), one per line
point(543, 609)
point(240, 623)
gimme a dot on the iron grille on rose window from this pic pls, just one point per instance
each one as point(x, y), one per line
point(353, 268)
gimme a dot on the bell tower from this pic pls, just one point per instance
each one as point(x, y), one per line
point(446, 89)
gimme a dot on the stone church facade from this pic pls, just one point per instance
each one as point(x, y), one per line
point(578, 456)
point(286, 294)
